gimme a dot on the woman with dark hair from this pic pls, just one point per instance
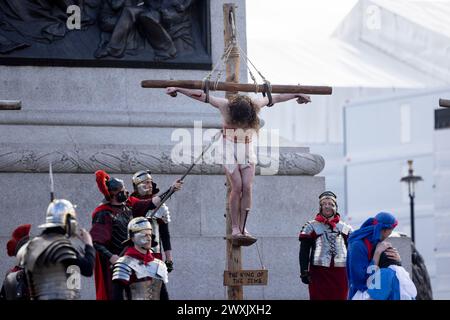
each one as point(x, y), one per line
point(240, 125)
point(390, 281)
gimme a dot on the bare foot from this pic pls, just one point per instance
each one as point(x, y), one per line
point(246, 233)
point(235, 232)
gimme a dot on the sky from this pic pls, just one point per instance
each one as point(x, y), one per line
point(291, 24)
point(303, 50)
point(304, 19)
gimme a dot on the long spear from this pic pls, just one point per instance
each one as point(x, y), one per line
point(167, 194)
point(52, 185)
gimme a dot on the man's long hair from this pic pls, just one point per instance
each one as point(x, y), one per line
point(243, 113)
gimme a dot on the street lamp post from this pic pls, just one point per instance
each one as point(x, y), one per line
point(411, 179)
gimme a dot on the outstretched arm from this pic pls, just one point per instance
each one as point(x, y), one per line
point(220, 103)
point(301, 98)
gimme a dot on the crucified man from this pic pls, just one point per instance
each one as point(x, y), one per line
point(240, 123)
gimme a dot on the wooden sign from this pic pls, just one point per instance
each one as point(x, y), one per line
point(245, 277)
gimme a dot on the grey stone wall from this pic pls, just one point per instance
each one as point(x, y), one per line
point(403, 245)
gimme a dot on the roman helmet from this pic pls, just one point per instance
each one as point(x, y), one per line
point(61, 213)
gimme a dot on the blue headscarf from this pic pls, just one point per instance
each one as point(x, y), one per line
point(372, 227)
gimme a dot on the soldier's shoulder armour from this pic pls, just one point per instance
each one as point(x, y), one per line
point(122, 269)
point(59, 250)
point(308, 228)
point(161, 272)
point(344, 228)
point(159, 262)
point(48, 249)
point(20, 256)
point(314, 226)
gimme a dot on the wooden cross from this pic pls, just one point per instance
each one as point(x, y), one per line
point(10, 105)
point(234, 276)
point(444, 103)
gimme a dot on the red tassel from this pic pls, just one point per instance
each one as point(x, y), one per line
point(101, 177)
point(19, 233)
point(11, 247)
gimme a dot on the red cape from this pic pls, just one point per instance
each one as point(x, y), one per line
point(102, 271)
point(101, 233)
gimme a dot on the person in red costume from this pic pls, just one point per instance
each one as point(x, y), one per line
point(138, 275)
point(14, 286)
point(145, 188)
point(109, 228)
point(323, 252)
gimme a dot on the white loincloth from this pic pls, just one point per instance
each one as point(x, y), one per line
point(236, 154)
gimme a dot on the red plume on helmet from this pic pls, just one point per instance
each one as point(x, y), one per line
point(20, 233)
point(101, 177)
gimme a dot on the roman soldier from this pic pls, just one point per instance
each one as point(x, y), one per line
point(323, 252)
point(109, 227)
point(145, 188)
point(52, 263)
point(138, 275)
point(15, 286)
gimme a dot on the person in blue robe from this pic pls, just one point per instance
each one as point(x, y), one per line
point(365, 246)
